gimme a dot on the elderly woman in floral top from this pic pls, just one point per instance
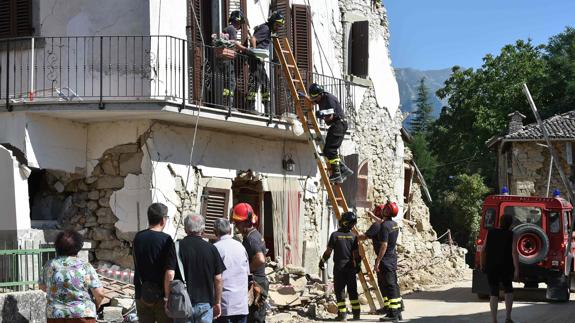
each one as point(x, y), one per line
point(67, 281)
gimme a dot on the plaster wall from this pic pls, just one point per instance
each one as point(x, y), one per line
point(87, 18)
point(13, 195)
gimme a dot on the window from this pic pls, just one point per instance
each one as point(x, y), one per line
point(554, 222)
point(359, 49)
point(489, 218)
point(566, 217)
point(214, 205)
point(524, 214)
point(362, 185)
point(15, 18)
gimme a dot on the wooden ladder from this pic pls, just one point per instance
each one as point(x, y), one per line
point(306, 115)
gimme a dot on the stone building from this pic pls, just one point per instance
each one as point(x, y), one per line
point(524, 163)
point(109, 106)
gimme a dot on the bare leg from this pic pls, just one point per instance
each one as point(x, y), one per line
point(508, 305)
point(493, 302)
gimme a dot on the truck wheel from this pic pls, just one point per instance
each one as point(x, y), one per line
point(532, 243)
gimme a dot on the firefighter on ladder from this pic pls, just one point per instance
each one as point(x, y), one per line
point(347, 263)
point(260, 40)
point(332, 114)
point(386, 264)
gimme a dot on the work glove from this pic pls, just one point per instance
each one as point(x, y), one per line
point(318, 114)
point(322, 264)
point(300, 94)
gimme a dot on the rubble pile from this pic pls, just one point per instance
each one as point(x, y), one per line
point(297, 296)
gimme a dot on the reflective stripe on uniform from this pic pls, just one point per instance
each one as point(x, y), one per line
point(341, 307)
point(395, 303)
point(355, 304)
point(327, 112)
point(333, 161)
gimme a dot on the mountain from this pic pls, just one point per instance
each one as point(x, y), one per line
point(408, 81)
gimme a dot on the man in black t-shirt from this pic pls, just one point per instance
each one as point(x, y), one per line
point(346, 265)
point(155, 264)
point(245, 220)
point(386, 263)
point(258, 77)
point(203, 269)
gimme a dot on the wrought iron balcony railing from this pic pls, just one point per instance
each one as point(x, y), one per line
point(107, 69)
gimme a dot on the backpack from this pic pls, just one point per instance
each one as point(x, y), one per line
point(179, 305)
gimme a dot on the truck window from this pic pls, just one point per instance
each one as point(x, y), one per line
point(489, 218)
point(554, 222)
point(524, 214)
point(566, 216)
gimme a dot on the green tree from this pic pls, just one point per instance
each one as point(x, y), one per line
point(559, 82)
point(423, 156)
point(460, 208)
point(422, 117)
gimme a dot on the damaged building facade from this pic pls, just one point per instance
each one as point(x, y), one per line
point(110, 106)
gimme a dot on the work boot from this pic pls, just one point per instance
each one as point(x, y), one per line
point(335, 177)
point(341, 317)
point(394, 316)
point(345, 171)
point(356, 315)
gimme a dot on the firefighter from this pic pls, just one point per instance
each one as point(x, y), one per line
point(347, 263)
point(226, 66)
point(245, 220)
point(332, 114)
point(258, 77)
point(373, 234)
point(386, 263)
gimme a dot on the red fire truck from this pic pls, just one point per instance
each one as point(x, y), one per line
point(541, 226)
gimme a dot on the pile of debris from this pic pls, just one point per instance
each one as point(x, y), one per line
point(297, 296)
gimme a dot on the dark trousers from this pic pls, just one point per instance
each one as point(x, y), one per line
point(387, 280)
point(334, 138)
point(258, 78)
point(342, 279)
point(152, 314)
point(226, 80)
point(258, 312)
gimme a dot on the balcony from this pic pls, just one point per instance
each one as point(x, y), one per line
point(104, 70)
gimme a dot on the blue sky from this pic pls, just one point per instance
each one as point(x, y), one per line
point(435, 34)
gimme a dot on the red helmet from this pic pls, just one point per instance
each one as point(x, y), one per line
point(378, 210)
point(243, 212)
point(391, 209)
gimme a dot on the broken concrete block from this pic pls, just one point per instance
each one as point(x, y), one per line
point(113, 313)
point(131, 163)
point(110, 182)
point(125, 303)
point(299, 283)
point(295, 270)
point(278, 299)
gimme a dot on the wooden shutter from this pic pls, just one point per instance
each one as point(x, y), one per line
point(302, 40)
point(194, 49)
point(349, 187)
point(225, 13)
point(363, 185)
point(16, 18)
point(282, 97)
point(359, 48)
point(214, 205)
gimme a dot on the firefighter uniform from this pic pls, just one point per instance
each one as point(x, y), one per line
point(345, 245)
point(387, 277)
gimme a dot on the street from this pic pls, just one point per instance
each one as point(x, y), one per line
point(456, 303)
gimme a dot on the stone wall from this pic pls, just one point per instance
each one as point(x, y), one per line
point(530, 168)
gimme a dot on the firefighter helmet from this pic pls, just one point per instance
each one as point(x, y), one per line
point(348, 220)
point(236, 16)
point(243, 212)
point(391, 209)
point(378, 210)
point(315, 90)
point(277, 17)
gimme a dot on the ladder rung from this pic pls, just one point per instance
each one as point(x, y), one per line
point(286, 51)
point(290, 66)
